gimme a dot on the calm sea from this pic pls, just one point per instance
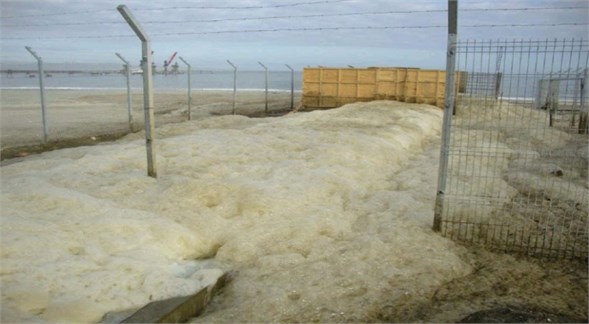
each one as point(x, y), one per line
point(200, 80)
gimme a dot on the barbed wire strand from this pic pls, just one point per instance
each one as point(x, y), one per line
point(289, 16)
point(231, 19)
point(300, 29)
point(243, 7)
point(296, 4)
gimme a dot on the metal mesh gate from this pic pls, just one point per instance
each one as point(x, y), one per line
point(517, 162)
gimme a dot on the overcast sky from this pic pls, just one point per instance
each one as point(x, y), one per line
point(61, 22)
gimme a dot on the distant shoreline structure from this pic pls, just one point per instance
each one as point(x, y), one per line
point(94, 73)
point(121, 71)
point(140, 89)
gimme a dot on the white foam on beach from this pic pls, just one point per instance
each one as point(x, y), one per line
point(503, 140)
point(325, 216)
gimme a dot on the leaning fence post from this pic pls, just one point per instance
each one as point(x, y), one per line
point(291, 86)
point(189, 71)
point(129, 101)
point(147, 88)
point(234, 85)
point(448, 111)
point(42, 89)
point(266, 87)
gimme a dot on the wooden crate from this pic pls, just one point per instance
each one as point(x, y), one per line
point(334, 87)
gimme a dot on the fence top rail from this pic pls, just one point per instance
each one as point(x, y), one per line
point(562, 79)
point(372, 69)
point(521, 49)
point(363, 68)
point(482, 74)
point(522, 41)
point(555, 46)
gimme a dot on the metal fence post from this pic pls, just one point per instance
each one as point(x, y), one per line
point(147, 88)
point(583, 111)
point(189, 88)
point(234, 85)
point(129, 101)
point(42, 89)
point(266, 87)
point(448, 111)
point(291, 86)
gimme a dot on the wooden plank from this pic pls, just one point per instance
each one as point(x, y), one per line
point(384, 90)
point(348, 90)
point(366, 91)
point(379, 84)
point(311, 88)
point(329, 102)
point(178, 309)
point(310, 75)
point(329, 75)
point(367, 76)
point(348, 75)
point(311, 101)
point(398, 84)
point(428, 75)
point(357, 83)
point(329, 89)
point(339, 82)
point(410, 86)
point(437, 88)
point(320, 87)
point(385, 84)
point(420, 87)
point(385, 75)
point(405, 86)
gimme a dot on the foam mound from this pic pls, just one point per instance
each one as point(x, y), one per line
point(324, 215)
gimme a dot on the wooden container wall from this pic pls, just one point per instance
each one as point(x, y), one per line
point(334, 87)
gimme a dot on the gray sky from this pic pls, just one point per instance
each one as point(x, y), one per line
point(56, 39)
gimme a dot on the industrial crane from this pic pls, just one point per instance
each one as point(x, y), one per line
point(168, 62)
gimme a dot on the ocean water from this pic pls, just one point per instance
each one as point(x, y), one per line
point(200, 80)
point(525, 87)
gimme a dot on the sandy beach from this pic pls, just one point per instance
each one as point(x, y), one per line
point(80, 115)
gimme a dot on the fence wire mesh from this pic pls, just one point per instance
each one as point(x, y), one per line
point(517, 170)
